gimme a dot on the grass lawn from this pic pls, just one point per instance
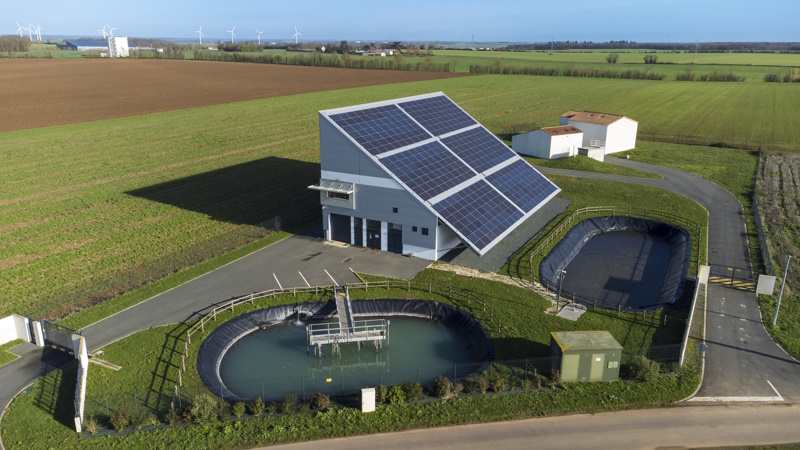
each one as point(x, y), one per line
point(150, 358)
point(6, 356)
point(586, 164)
point(86, 202)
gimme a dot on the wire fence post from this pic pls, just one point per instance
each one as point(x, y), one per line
point(108, 413)
point(135, 402)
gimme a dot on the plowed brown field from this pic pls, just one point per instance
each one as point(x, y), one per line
point(43, 92)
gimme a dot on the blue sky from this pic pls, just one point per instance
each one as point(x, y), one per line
point(415, 20)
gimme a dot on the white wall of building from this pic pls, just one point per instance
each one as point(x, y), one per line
point(541, 144)
point(14, 327)
point(446, 240)
point(621, 135)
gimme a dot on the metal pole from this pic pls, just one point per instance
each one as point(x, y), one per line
point(558, 296)
point(108, 413)
point(783, 284)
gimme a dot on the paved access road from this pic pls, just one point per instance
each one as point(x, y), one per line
point(743, 363)
point(689, 427)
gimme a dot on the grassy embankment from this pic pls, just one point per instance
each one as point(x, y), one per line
point(6, 356)
point(87, 202)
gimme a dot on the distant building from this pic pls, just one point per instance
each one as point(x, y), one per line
point(610, 132)
point(549, 142)
point(382, 53)
point(86, 46)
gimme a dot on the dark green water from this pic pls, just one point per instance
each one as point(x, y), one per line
point(273, 361)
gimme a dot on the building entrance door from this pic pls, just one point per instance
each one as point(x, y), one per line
point(374, 234)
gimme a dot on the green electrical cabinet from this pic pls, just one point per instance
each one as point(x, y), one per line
point(587, 355)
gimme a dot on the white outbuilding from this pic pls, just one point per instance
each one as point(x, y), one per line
point(609, 132)
point(549, 142)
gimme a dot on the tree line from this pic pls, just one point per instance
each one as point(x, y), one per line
point(323, 60)
point(14, 44)
point(566, 72)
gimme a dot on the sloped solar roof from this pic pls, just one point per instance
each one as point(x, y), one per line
point(459, 170)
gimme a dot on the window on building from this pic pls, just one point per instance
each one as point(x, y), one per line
point(394, 210)
point(338, 195)
point(414, 229)
point(424, 231)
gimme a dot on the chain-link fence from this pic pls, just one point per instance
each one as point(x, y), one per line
point(92, 294)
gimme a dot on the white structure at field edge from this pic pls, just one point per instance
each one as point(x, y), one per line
point(611, 132)
point(118, 47)
point(549, 142)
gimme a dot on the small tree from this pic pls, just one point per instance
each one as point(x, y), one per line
point(257, 407)
point(380, 393)
point(120, 420)
point(204, 409)
point(320, 401)
point(612, 58)
point(443, 387)
point(396, 396)
point(497, 383)
point(289, 405)
point(641, 369)
point(413, 391)
point(238, 409)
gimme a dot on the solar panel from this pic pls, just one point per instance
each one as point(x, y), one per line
point(521, 183)
point(380, 129)
point(428, 170)
point(479, 213)
point(478, 148)
point(439, 115)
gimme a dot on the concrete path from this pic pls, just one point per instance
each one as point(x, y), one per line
point(681, 427)
point(743, 363)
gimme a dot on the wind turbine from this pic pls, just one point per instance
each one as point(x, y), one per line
point(259, 36)
point(233, 35)
point(110, 30)
point(19, 29)
point(296, 34)
point(103, 31)
point(39, 33)
point(200, 34)
point(30, 32)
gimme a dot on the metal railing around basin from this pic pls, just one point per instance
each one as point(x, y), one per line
point(362, 330)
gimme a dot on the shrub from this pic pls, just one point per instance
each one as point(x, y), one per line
point(527, 384)
point(395, 396)
point(443, 387)
point(320, 401)
point(612, 58)
point(641, 369)
point(497, 383)
point(289, 404)
point(257, 407)
point(457, 389)
point(413, 391)
point(303, 407)
point(481, 383)
point(238, 409)
point(204, 409)
point(172, 416)
point(272, 408)
point(91, 426)
point(141, 418)
point(186, 415)
point(120, 420)
point(223, 409)
point(380, 393)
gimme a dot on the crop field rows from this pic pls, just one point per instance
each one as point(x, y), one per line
point(82, 202)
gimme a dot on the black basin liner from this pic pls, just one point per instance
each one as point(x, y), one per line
point(632, 262)
point(213, 348)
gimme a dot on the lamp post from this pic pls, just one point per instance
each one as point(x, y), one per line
point(785, 271)
point(558, 295)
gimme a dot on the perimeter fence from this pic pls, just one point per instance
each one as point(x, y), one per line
point(766, 258)
point(98, 292)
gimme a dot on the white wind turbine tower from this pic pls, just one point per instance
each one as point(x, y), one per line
point(296, 34)
point(30, 32)
point(200, 34)
point(103, 31)
point(39, 33)
point(259, 36)
point(19, 29)
point(110, 30)
point(233, 35)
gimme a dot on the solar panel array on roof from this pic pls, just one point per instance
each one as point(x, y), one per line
point(381, 129)
point(428, 170)
point(439, 115)
point(479, 212)
point(479, 148)
point(490, 205)
point(522, 185)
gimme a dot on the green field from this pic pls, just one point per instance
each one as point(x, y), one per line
point(83, 202)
